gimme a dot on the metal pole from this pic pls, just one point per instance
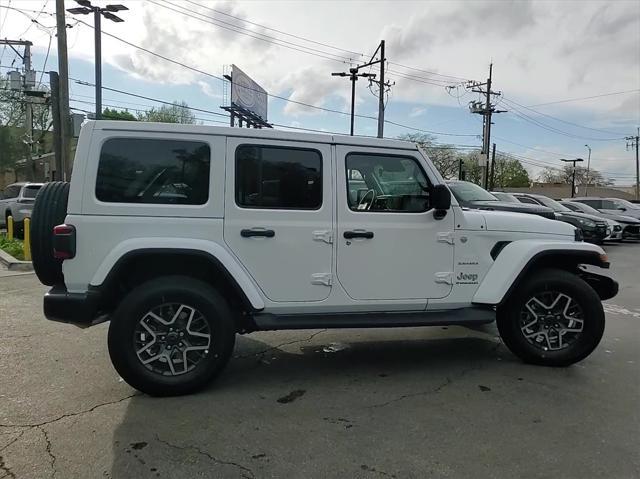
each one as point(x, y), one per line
point(98, 62)
point(381, 98)
point(63, 71)
point(637, 166)
point(28, 114)
point(493, 166)
point(586, 188)
point(54, 83)
point(573, 181)
point(354, 78)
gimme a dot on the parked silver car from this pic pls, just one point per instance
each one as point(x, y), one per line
point(630, 225)
point(611, 205)
point(17, 201)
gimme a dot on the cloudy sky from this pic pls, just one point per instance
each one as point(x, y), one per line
point(569, 72)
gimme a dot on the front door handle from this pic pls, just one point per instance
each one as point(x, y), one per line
point(252, 233)
point(358, 234)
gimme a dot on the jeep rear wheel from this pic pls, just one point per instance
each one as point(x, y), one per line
point(49, 210)
point(553, 319)
point(171, 336)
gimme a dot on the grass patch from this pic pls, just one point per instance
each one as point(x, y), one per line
point(13, 247)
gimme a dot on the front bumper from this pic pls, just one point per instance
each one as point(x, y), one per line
point(80, 309)
point(606, 287)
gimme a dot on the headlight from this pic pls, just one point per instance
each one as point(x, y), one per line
point(586, 222)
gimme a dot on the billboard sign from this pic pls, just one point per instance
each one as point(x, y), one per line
point(247, 94)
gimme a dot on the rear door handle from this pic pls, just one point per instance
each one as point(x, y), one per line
point(358, 234)
point(256, 233)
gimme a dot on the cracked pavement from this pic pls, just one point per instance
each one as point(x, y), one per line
point(435, 402)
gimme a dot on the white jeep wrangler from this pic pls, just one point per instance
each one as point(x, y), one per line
point(185, 235)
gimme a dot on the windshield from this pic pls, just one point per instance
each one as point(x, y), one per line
point(553, 204)
point(583, 208)
point(505, 197)
point(466, 192)
point(626, 204)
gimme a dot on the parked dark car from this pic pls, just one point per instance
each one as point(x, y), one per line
point(470, 195)
point(594, 229)
point(630, 225)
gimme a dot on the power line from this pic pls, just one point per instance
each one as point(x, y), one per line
point(552, 129)
point(257, 36)
point(512, 103)
point(274, 30)
point(586, 97)
point(430, 72)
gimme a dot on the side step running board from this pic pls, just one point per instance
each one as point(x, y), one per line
point(465, 316)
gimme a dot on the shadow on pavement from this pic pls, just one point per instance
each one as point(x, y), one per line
point(273, 413)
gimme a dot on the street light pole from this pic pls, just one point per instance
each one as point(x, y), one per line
point(586, 188)
point(353, 77)
point(86, 8)
point(97, 30)
point(573, 177)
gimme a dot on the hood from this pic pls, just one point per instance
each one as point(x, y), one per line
point(621, 218)
point(575, 214)
point(510, 206)
point(517, 222)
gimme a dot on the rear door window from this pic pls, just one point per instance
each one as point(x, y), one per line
point(278, 177)
point(138, 170)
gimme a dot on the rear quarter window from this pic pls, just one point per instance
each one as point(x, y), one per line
point(153, 171)
point(30, 191)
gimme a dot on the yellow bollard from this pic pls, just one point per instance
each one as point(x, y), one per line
point(10, 228)
point(26, 246)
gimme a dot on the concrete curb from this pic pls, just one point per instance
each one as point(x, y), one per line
point(13, 264)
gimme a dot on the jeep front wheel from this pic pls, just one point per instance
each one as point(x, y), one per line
point(553, 319)
point(171, 336)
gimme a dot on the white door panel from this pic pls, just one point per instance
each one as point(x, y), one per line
point(405, 256)
point(291, 257)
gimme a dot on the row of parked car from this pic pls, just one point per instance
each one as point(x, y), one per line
point(599, 219)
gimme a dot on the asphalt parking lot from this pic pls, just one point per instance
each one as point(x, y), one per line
point(405, 403)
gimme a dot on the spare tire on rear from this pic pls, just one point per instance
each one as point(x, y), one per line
point(49, 210)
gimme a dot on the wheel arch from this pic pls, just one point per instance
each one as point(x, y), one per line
point(515, 263)
point(138, 265)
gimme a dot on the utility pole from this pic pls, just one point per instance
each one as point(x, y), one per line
point(573, 177)
point(64, 162)
point(486, 110)
point(84, 9)
point(632, 141)
point(381, 93)
point(54, 83)
point(586, 187)
point(493, 167)
point(353, 76)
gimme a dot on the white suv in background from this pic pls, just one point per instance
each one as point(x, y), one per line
point(17, 201)
point(184, 235)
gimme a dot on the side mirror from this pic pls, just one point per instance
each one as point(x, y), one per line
point(622, 209)
point(440, 200)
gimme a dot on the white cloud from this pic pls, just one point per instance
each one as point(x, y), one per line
point(417, 111)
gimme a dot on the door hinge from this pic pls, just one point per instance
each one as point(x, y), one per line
point(321, 278)
point(445, 237)
point(323, 235)
point(444, 277)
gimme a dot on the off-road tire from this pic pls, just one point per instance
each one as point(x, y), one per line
point(49, 210)
point(556, 280)
point(154, 293)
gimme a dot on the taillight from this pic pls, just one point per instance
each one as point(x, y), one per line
point(64, 241)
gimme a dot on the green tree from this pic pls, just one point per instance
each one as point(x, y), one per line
point(113, 114)
point(14, 144)
point(509, 172)
point(178, 112)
